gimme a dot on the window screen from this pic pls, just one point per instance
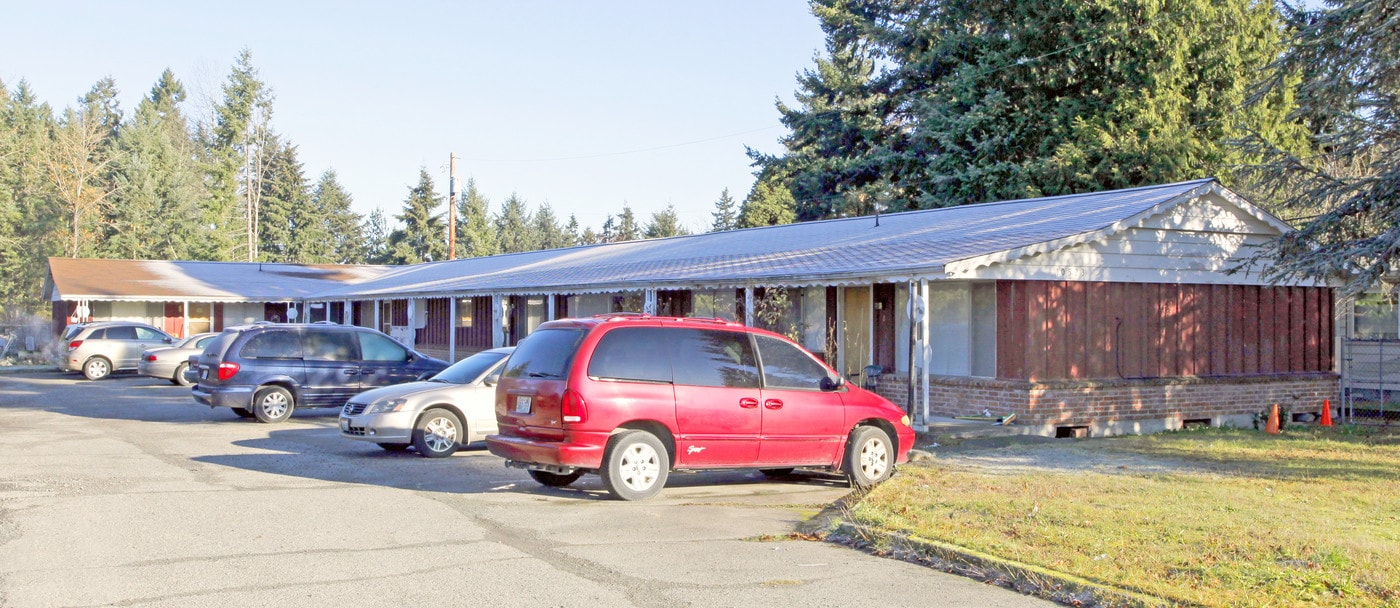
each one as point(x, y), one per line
point(787, 366)
point(713, 358)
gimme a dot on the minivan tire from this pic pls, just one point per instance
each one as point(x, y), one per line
point(635, 466)
point(869, 457)
point(438, 433)
point(555, 480)
point(97, 368)
point(273, 404)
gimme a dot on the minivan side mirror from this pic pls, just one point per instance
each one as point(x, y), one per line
point(833, 384)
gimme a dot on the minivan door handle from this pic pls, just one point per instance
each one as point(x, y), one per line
point(773, 404)
point(351, 372)
point(748, 403)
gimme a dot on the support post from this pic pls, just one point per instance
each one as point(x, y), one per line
point(748, 305)
point(452, 328)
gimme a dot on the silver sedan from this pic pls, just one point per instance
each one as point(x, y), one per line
point(436, 416)
point(169, 363)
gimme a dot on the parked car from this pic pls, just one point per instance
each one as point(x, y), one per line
point(170, 362)
point(631, 398)
point(267, 370)
point(98, 349)
point(436, 416)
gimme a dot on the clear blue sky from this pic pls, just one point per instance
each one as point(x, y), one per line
point(586, 105)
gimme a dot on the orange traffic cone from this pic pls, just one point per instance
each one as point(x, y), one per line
point(1272, 426)
point(1326, 413)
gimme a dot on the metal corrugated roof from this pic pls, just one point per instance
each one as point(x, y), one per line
point(903, 244)
point(98, 279)
point(908, 244)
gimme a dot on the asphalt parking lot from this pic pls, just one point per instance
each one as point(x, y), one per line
point(125, 492)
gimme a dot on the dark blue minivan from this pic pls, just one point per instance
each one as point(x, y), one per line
point(267, 370)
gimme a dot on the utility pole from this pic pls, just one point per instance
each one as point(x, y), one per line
point(452, 206)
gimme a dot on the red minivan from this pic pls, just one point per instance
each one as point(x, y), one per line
point(632, 397)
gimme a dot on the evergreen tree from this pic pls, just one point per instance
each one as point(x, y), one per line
point(376, 231)
point(571, 233)
point(976, 100)
point(609, 230)
point(514, 227)
point(422, 237)
point(342, 224)
point(769, 203)
point(664, 223)
point(1343, 69)
point(28, 208)
point(289, 231)
point(726, 213)
point(547, 231)
point(156, 209)
point(79, 158)
point(476, 237)
point(103, 108)
point(589, 237)
point(237, 145)
point(627, 228)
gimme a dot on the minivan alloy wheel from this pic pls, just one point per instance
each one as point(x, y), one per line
point(635, 466)
point(868, 457)
point(273, 404)
point(639, 467)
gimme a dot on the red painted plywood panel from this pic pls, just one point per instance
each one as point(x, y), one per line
point(1312, 331)
point(1249, 320)
point(1297, 341)
point(1267, 330)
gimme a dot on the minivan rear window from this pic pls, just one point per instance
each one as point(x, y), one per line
point(544, 354)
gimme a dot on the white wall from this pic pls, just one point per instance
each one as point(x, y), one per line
point(242, 313)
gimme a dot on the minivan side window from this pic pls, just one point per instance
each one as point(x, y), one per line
point(322, 345)
point(713, 358)
point(374, 347)
point(274, 344)
point(639, 354)
point(787, 366)
point(546, 353)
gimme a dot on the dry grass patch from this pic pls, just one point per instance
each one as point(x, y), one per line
point(1215, 517)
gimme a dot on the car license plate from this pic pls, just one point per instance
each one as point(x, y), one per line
point(522, 404)
point(203, 373)
point(344, 424)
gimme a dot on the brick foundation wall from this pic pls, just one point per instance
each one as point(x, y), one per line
point(1109, 407)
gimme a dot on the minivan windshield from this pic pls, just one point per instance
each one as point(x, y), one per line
point(544, 354)
point(469, 369)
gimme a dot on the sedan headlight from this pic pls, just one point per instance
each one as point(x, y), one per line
point(392, 405)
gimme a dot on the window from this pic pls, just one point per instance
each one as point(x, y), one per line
point(1376, 317)
point(633, 353)
point(787, 366)
point(121, 333)
point(465, 307)
point(469, 369)
point(276, 344)
point(146, 333)
point(713, 358)
point(328, 345)
point(375, 347)
point(544, 354)
point(97, 334)
point(716, 303)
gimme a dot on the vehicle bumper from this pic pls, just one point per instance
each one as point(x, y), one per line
point(164, 371)
point(68, 364)
point(576, 454)
point(239, 397)
point(396, 427)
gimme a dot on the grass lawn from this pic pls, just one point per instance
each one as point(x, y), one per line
point(1216, 517)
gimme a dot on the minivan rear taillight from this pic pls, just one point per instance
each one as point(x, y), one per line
point(574, 409)
point(227, 370)
point(75, 344)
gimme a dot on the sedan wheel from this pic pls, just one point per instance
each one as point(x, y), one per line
point(179, 377)
point(438, 433)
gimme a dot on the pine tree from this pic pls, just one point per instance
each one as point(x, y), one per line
point(665, 223)
point(156, 209)
point(1342, 70)
point(422, 236)
point(237, 145)
point(376, 231)
point(28, 207)
point(769, 203)
point(571, 232)
point(545, 226)
point(289, 231)
point(627, 228)
point(726, 213)
point(334, 204)
point(476, 237)
point(609, 230)
point(514, 228)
